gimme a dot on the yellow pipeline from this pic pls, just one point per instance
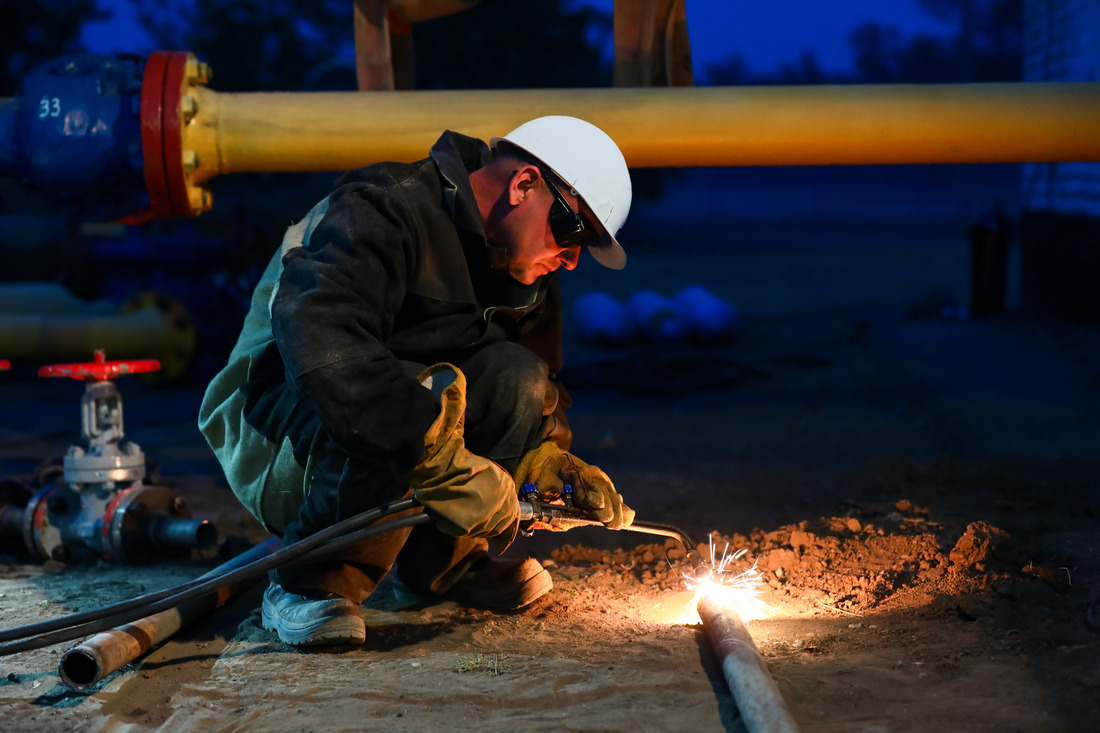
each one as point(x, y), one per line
point(708, 126)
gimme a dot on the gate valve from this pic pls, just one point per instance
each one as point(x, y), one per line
point(102, 458)
point(104, 508)
point(100, 369)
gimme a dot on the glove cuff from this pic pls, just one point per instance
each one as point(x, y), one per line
point(448, 384)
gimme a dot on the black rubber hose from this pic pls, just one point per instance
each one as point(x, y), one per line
point(211, 585)
point(309, 549)
point(287, 556)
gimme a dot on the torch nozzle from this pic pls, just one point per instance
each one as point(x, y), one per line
point(702, 569)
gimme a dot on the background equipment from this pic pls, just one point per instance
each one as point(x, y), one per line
point(103, 508)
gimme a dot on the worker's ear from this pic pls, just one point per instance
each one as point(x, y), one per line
point(524, 182)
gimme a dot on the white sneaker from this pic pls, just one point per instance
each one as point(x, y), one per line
point(312, 620)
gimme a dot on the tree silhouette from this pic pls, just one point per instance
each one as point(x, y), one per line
point(254, 45)
point(985, 45)
point(33, 32)
point(265, 45)
point(504, 44)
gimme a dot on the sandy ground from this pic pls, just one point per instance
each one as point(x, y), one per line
point(918, 494)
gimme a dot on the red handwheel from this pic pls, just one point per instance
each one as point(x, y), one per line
point(99, 370)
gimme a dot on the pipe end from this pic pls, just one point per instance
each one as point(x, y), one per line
point(79, 669)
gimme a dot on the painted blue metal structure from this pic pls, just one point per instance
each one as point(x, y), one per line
point(74, 131)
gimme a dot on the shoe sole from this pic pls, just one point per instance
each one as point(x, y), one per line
point(538, 586)
point(329, 631)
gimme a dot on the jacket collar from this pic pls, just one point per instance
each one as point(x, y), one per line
point(457, 156)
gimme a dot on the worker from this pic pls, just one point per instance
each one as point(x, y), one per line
point(406, 337)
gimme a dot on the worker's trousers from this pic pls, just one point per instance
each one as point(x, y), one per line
point(506, 416)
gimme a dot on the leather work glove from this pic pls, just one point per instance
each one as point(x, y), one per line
point(549, 468)
point(465, 493)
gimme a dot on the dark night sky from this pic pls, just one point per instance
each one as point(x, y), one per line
point(767, 34)
point(764, 34)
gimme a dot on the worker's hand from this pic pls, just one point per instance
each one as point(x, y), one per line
point(465, 493)
point(549, 468)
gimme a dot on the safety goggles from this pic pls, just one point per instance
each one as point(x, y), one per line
point(567, 226)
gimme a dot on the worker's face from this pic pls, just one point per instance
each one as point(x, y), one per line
point(524, 243)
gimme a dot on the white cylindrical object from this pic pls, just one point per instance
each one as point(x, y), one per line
point(758, 699)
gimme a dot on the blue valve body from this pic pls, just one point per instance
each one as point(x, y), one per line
point(74, 131)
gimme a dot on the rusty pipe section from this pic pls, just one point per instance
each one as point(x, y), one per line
point(702, 126)
point(758, 699)
point(86, 664)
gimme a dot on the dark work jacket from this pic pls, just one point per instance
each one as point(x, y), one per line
point(392, 266)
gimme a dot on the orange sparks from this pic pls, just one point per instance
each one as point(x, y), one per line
point(739, 591)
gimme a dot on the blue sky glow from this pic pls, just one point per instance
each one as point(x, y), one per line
point(765, 35)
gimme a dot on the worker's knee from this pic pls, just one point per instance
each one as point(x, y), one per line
point(510, 372)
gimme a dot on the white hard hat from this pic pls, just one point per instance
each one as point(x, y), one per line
point(584, 157)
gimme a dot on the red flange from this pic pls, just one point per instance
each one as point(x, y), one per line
point(99, 370)
point(162, 90)
point(108, 522)
point(39, 535)
point(152, 138)
point(172, 125)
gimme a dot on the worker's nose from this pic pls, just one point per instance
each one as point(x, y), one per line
point(569, 257)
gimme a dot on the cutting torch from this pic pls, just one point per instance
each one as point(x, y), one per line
point(536, 514)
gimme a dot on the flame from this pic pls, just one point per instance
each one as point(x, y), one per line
point(739, 591)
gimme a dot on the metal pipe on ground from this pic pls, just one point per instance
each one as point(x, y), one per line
point(182, 533)
point(758, 699)
point(88, 663)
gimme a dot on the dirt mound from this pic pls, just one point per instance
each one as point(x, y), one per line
point(876, 556)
